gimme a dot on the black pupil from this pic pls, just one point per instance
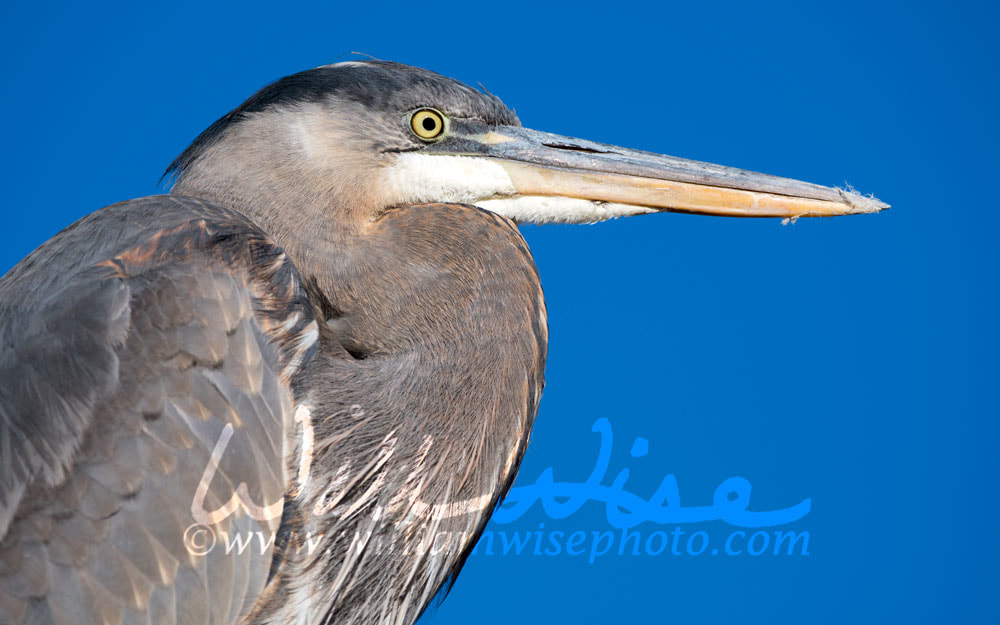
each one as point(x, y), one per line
point(429, 124)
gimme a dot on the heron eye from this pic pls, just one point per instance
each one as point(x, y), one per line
point(427, 124)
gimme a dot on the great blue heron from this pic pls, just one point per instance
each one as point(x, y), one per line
point(328, 340)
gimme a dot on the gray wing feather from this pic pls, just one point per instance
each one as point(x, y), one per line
point(129, 343)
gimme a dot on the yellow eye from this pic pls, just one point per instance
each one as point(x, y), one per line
point(427, 124)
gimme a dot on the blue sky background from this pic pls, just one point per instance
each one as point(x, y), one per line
point(851, 361)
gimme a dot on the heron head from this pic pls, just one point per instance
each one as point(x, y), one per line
point(363, 137)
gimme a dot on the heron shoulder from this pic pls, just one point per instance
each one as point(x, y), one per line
point(128, 344)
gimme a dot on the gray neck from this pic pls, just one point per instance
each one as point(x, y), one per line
point(424, 390)
point(289, 182)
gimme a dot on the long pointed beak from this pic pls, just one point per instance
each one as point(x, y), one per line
point(543, 165)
